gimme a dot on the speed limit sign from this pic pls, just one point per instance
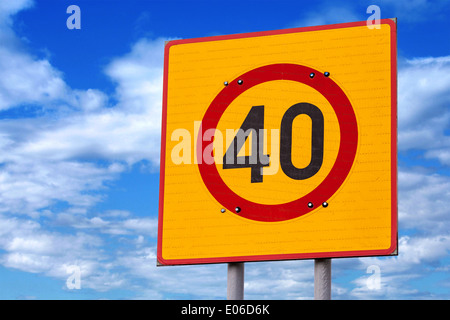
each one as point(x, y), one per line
point(279, 145)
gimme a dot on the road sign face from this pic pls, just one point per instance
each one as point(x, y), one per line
point(279, 145)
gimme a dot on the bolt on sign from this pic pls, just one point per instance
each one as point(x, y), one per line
point(279, 145)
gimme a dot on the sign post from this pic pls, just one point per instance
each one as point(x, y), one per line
point(235, 281)
point(322, 279)
point(279, 145)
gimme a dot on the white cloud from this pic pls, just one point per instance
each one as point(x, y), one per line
point(110, 134)
point(419, 259)
point(54, 157)
point(25, 80)
point(443, 155)
point(89, 100)
point(147, 226)
point(81, 127)
point(329, 15)
point(423, 113)
point(201, 281)
point(49, 164)
point(423, 215)
point(28, 185)
point(29, 246)
point(11, 7)
point(114, 225)
point(138, 76)
point(290, 280)
point(423, 200)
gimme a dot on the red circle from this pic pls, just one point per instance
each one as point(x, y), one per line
point(344, 161)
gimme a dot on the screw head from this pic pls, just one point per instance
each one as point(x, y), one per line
point(310, 205)
point(237, 209)
point(325, 204)
point(240, 81)
point(311, 75)
point(326, 74)
point(225, 83)
point(222, 210)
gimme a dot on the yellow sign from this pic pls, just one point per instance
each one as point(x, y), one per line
point(279, 145)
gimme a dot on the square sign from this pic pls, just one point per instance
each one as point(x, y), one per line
point(280, 145)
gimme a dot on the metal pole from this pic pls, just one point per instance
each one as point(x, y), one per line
point(235, 281)
point(322, 279)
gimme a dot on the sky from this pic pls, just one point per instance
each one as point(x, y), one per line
point(80, 122)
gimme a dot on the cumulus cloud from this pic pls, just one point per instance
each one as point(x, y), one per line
point(111, 135)
point(138, 76)
point(30, 185)
point(54, 156)
point(82, 127)
point(56, 164)
point(423, 113)
point(25, 80)
point(423, 201)
point(290, 280)
point(29, 246)
point(420, 259)
point(109, 225)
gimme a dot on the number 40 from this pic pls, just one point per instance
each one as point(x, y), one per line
point(254, 122)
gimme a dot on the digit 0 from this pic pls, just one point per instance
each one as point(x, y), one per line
point(316, 142)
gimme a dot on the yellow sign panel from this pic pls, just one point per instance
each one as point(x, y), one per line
point(279, 145)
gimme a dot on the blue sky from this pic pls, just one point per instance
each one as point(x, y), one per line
point(80, 138)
